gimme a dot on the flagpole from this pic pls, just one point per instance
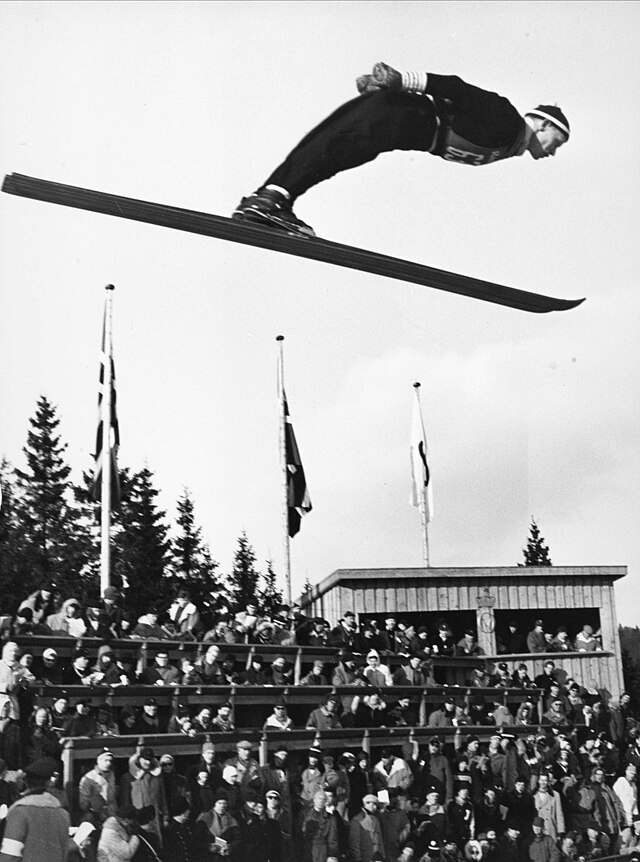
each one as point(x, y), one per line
point(105, 496)
point(423, 503)
point(286, 550)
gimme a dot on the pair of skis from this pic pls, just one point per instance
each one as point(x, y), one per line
point(313, 248)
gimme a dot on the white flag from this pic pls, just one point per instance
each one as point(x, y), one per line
point(421, 486)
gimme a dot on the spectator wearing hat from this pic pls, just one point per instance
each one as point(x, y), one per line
point(344, 636)
point(97, 790)
point(107, 669)
point(443, 645)
point(280, 673)
point(501, 677)
point(401, 713)
point(414, 670)
point(501, 714)
point(316, 675)
point(37, 827)
point(47, 669)
point(148, 720)
point(176, 786)
point(223, 830)
point(311, 778)
point(40, 603)
point(487, 811)
point(246, 621)
point(520, 806)
point(142, 785)
point(390, 636)
point(247, 766)
point(184, 841)
point(278, 720)
point(368, 710)
point(255, 673)
point(161, 672)
point(549, 807)
point(318, 634)
point(391, 772)
point(536, 641)
point(276, 776)
point(542, 847)
point(436, 770)
point(560, 641)
point(24, 624)
point(376, 673)
point(555, 716)
point(365, 833)
point(325, 717)
point(261, 839)
point(468, 644)
point(444, 716)
point(546, 679)
point(223, 720)
point(147, 626)
point(68, 620)
point(79, 672)
point(118, 839)
point(109, 615)
point(81, 722)
point(511, 849)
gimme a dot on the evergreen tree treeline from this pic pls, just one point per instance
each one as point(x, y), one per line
point(49, 532)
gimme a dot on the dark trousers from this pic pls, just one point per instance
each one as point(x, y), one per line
point(355, 134)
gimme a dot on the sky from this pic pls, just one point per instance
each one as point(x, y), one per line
point(193, 104)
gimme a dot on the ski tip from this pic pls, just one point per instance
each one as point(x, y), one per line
point(568, 304)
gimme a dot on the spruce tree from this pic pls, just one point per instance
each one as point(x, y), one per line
point(11, 543)
point(53, 539)
point(191, 563)
point(536, 553)
point(269, 596)
point(244, 579)
point(141, 548)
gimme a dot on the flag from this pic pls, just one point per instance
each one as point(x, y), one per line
point(113, 431)
point(421, 487)
point(298, 502)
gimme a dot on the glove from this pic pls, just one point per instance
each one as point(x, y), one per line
point(382, 77)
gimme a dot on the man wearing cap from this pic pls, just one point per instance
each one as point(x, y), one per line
point(391, 772)
point(37, 827)
point(316, 675)
point(345, 635)
point(413, 671)
point(468, 645)
point(97, 790)
point(79, 673)
point(542, 847)
point(345, 674)
point(547, 678)
point(160, 672)
point(148, 720)
point(325, 717)
point(439, 114)
point(276, 776)
point(511, 849)
point(365, 833)
point(81, 722)
point(247, 766)
point(176, 787)
point(278, 720)
point(143, 786)
point(311, 778)
point(536, 641)
point(443, 717)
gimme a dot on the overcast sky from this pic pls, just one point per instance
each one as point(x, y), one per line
point(194, 104)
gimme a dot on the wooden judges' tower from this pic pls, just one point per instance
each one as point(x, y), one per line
point(489, 600)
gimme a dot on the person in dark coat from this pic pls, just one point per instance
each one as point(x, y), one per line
point(261, 836)
point(183, 840)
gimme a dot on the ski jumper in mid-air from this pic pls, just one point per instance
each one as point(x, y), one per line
point(437, 114)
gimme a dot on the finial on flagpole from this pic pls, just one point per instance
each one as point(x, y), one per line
point(110, 287)
point(280, 338)
point(416, 385)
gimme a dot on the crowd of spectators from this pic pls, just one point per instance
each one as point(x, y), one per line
point(567, 791)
